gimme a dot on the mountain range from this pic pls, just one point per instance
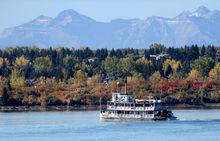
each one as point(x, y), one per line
point(71, 29)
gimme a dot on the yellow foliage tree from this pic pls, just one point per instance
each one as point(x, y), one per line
point(175, 65)
point(3, 80)
point(136, 85)
point(17, 79)
point(4, 60)
point(194, 75)
point(80, 78)
point(21, 62)
point(93, 80)
point(144, 61)
point(181, 97)
point(155, 77)
point(215, 71)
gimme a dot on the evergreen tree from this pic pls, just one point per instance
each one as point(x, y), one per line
point(4, 97)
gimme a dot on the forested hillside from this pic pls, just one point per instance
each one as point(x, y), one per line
point(64, 76)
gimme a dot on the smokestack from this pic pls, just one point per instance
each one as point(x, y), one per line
point(126, 85)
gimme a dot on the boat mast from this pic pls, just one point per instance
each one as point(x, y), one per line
point(100, 103)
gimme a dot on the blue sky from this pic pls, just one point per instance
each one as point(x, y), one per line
point(16, 12)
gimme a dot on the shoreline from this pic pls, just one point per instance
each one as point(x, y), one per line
point(201, 106)
point(46, 108)
point(95, 107)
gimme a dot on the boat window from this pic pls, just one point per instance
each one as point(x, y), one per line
point(139, 105)
point(127, 105)
point(148, 105)
point(119, 104)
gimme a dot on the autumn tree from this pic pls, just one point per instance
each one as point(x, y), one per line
point(94, 85)
point(155, 77)
point(170, 66)
point(80, 78)
point(181, 97)
point(136, 85)
point(3, 61)
point(215, 71)
point(17, 79)
point(22, 64)
point(194, 75)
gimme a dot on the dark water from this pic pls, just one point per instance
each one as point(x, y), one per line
point(192, 125)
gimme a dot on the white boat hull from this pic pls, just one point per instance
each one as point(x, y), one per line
point(106, 116)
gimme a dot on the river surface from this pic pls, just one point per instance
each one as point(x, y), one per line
point(192, 125)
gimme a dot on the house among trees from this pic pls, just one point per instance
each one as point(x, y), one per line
point(160, 56)
point(91, 59)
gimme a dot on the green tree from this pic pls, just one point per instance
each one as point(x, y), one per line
point(43, 65)
point(4, 67)
point(157, 48)
point(144, 67)
point(109, 67)
point(69, 63)
point(126, 67)
point(203, 65)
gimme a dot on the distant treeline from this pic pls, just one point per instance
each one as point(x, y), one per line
point(65, 76)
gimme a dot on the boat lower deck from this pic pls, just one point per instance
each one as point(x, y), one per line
point(130, 116)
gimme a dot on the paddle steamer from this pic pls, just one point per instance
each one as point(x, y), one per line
point(125, 106)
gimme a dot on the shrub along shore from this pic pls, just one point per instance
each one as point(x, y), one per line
point(63, 77)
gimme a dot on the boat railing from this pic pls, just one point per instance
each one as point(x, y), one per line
point(129, 108)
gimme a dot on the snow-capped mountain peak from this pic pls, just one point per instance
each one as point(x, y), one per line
point(201, 11)
point(38, 22)
point(72, 29)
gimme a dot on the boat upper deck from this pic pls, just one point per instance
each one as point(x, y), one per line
point(128, 103)
point(125, 98)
